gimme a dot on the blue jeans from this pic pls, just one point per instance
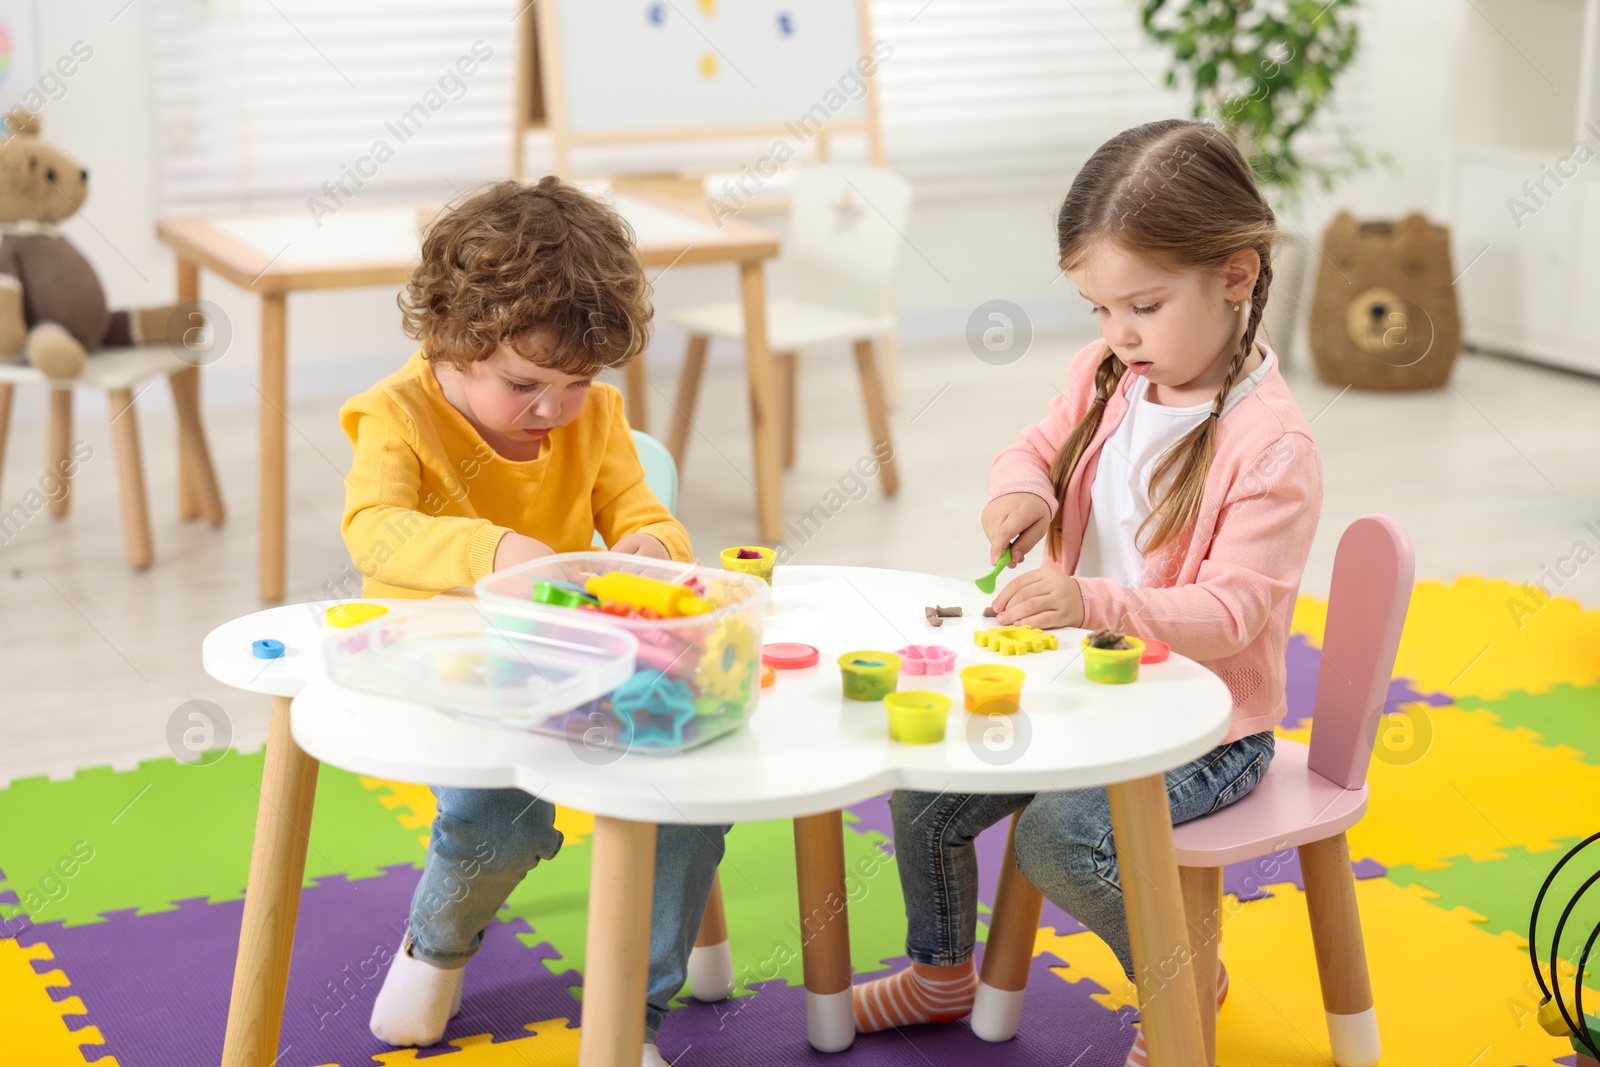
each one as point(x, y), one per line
point(485, 840)
point(1063, 844)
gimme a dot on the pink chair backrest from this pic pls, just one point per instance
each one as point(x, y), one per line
point(1372, 575)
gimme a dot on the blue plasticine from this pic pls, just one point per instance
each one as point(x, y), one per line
point(266, 648)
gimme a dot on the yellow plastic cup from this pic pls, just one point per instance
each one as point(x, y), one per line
point(1112, 666)
point(992, 688)
point(870, 674)
point(916, 717)
point(750, 559)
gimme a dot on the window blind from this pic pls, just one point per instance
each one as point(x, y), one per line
point(275, 102)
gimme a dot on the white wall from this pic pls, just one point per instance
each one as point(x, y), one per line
point(963, 251)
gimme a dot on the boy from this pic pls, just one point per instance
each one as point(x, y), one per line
point(492, 446)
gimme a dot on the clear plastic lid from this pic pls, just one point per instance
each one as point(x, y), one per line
point(502, 664)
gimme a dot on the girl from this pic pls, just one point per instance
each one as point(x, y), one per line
point(1176, 487)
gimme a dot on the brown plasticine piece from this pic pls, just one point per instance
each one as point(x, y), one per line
point(933, 616)
point(948, 613)
point(990, 613)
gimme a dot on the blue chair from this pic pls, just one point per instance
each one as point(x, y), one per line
point(660, 473)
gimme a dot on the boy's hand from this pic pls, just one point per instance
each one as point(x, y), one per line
point(514, 548)
point(1015, 519)
point(1045, 598)
point(638, 544)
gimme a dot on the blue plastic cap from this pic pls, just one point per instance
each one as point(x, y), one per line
point(266, 648)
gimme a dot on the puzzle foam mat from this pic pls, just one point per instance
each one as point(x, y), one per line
point(1487, 770)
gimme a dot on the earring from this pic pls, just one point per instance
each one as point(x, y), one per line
point(1236, 307)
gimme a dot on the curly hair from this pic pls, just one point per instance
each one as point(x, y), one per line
point(512, 259)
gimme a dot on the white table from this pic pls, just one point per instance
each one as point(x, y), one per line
point(806, 754)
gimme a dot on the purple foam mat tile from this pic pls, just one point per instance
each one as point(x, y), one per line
point(157, 986)
point(1303, 660)
point(1061, 1024)
point(1249, 879)
point(872, 816)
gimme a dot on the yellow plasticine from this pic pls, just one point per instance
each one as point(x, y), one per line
point(1014, 640)
point(353, 614)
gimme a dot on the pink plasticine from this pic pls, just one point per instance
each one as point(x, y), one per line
point(749, 553)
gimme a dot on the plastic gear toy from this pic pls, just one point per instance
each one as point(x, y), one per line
point(1015, 640)
point(725, 669)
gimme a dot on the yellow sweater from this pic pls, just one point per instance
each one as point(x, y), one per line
point(427, 500)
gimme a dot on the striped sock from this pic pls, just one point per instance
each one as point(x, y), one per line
point(918, 994)
point(1138, 1057)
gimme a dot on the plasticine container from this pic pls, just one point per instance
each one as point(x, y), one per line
point(750, 559)
point(698, 674)
point(992, 688)
point(1112, 666)
point(869, 674)
point(513, 670)
point(916, 717)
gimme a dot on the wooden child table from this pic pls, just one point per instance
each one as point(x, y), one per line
point(805, 755)
point(274, 254)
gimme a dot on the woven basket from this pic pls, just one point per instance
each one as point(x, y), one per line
point(1384, 315)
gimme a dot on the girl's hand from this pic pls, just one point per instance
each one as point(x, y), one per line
point(638, 544)
point(1015, 519)
point(514, 548)
point(1044, 598)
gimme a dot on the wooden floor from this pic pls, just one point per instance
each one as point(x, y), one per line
point(1496, 474)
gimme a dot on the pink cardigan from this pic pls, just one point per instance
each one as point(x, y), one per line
point(1223, 594)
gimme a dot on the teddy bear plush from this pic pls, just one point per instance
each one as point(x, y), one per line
point(51, 304)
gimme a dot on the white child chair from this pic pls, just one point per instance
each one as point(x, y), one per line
point(846, 227)
point(121, 373)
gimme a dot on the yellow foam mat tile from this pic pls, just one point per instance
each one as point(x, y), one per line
point(1485, 638)
point(552, 1044)
point(1446, 782)
point(415, 807)
point(35, 1030)
point(1445, 991)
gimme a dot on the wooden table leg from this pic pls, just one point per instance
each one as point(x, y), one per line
point(1141, 822)
point(1008, 953)
point(711, 975)
point(763, 403)
point(272, 898)
point(188, 499)
point(1202, 904)
point(825, 930)
point(617, 968)
point(274, 443)
point(61, 447)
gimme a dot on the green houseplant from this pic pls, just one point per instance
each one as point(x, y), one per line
point(1264, 71)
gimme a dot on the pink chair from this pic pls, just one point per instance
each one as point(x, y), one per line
point(1309, 797)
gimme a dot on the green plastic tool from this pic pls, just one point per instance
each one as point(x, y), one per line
point(986, 583)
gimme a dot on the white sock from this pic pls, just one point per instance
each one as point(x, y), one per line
point(652, 1057)
point(416, 1001)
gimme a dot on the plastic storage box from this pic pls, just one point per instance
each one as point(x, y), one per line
point(696, 676)
point(512, 668)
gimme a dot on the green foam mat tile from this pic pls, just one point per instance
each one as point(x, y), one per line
point(759, 900)
point(108, 840)
point(1500, 890)
point(1566, 715)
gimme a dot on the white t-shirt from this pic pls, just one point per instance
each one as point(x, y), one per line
point(1119, 499)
